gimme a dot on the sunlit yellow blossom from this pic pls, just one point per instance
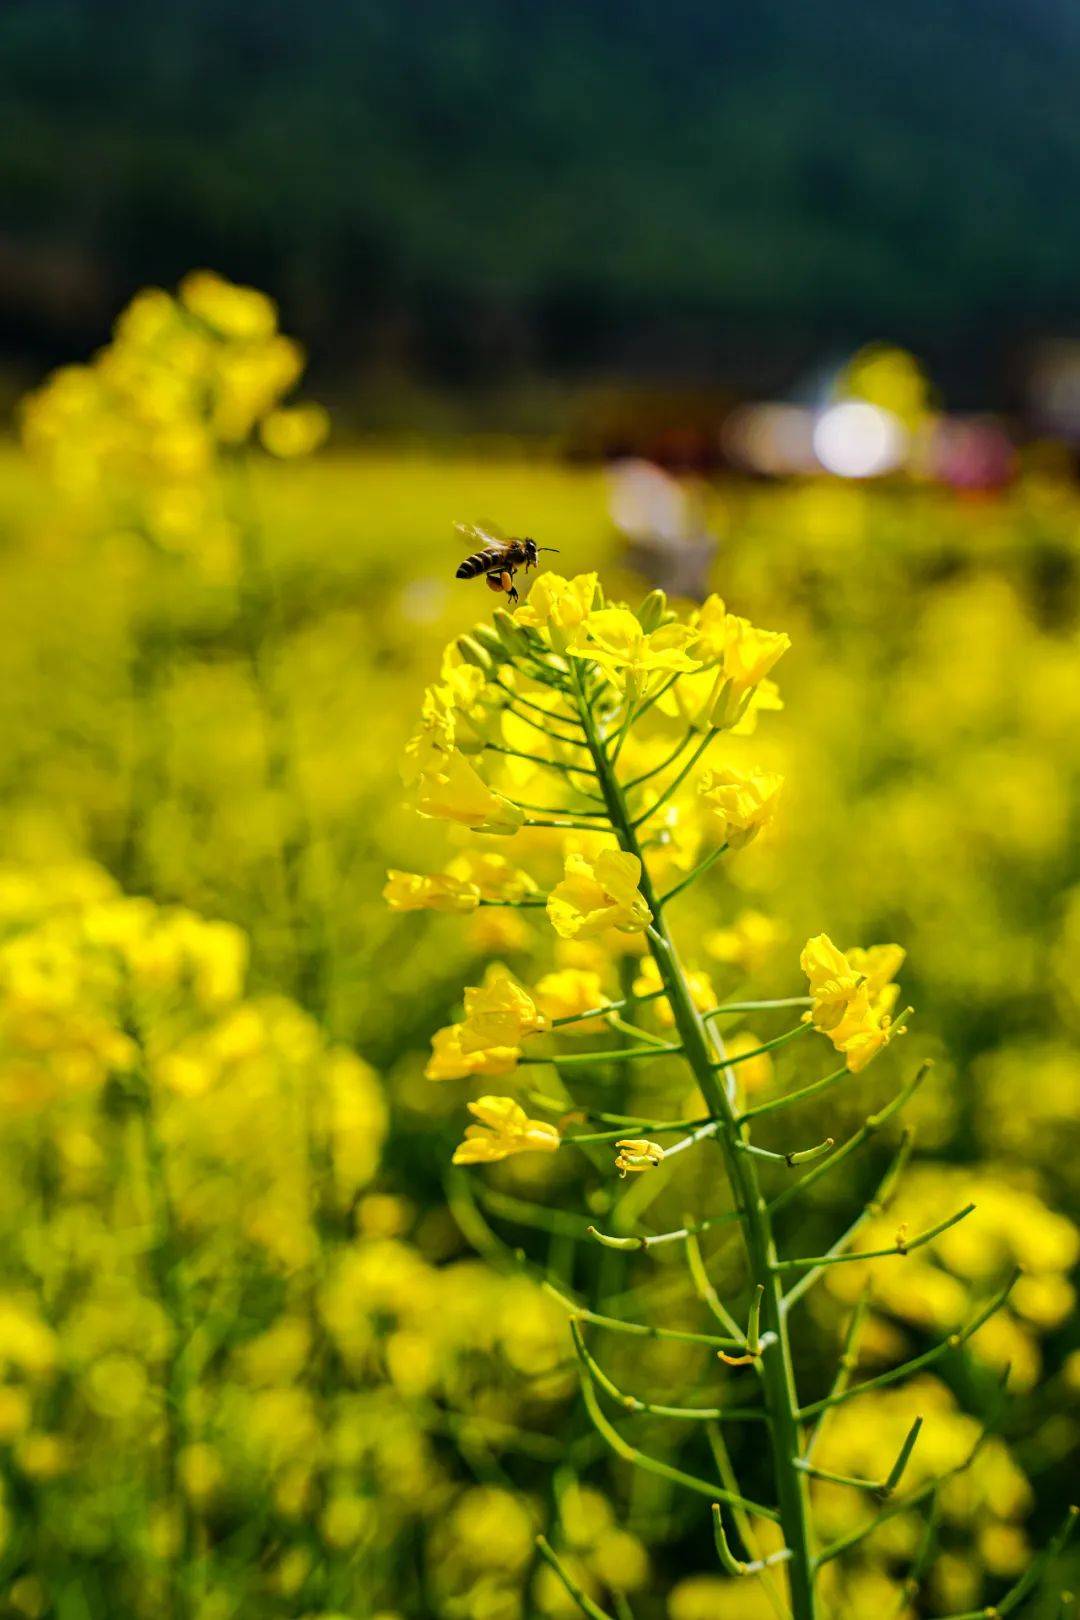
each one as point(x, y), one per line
point(698, 983)
point(742, 801)
point(878, 964)
point(454, 792)
point(558, 605)
point(637, 1154)
point(569, 992)
point(634, 660)
point(498, 1013)
point(504, 1128)
point(449, 1061)
point(413, 891)
point(853, 995)
point(598, 893)
point(865, 1029)
point(494, 877)
point(832, 980)
point(744, 653)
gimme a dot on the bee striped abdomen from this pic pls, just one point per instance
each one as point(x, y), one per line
point(481, 562)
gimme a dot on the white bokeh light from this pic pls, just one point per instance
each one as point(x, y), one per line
point(858, 440)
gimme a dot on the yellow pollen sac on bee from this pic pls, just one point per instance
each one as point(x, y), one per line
point(636, 1155)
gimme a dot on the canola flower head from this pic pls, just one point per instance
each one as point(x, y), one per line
point(741, 803)
point(853, 996)
point(503, 1129)
point(454, 791)
point(597, 893)
point(449, 1059)
point(634, 659)
point(559, 607)
point(498, 1013)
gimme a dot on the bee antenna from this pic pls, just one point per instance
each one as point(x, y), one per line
point(555, 549)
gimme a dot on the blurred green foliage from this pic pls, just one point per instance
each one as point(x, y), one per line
point(466, 191)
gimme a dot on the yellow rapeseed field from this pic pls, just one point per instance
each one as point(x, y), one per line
point(265, 1349)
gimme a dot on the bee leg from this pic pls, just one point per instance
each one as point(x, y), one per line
point(498, 581)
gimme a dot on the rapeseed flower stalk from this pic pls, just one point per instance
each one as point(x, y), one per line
point(589, 692)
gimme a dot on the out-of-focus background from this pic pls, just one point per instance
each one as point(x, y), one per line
point(777, 301)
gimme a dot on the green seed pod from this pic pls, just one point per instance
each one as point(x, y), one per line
point(651, 612)
point(473, 653)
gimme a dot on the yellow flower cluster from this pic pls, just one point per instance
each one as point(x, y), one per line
point(854, 995)
point(185, 380)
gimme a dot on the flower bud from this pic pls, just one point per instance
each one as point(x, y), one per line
point(510, 634)
point(489, 640)
point(650, 614)
point(473, 653)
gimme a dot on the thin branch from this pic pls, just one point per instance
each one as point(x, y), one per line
point(652, 1240)
point(724, 1468)
point(906, 1503)
point(759, 1051)
point(618, 1054)
point(674, 785)
point(902, 1246)
point(564, 826)
point(561, 809)
point(953, 1342)
point(758, 1006)
point(632, 1403)
point(652, 1465)
point(637, 1330)
point(698, 871)
point(876, 1206)
point(803, 1156)
point(811, 1090)
point(733, 1565)
point(543, 764)
point(582, 1599)
point(881, 1488)
point(657, 770)
point(867, 1129)
point(655, 1127)
point(608, 1007)
point(705, 1290)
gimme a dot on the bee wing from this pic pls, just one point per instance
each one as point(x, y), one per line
point(481, 535)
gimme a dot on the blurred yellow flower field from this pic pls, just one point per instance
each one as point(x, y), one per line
point(265, 1349)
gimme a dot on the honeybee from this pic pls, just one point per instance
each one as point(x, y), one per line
point(498, 557)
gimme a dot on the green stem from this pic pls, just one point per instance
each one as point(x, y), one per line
point(657, 770)
point(698, 871)
point(674, 785)
point(547, 764)
point(638, 1330)
point(777, 1369)
point(582, 1599)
